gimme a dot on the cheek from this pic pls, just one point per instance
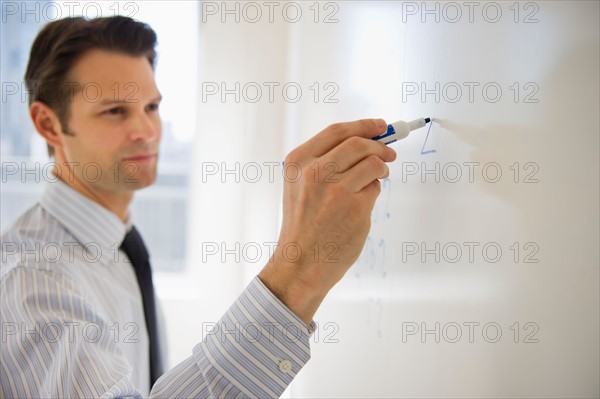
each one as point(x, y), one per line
point(97, 148)
point(158, 127)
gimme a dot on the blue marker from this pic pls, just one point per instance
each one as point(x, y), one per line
point(400, 130)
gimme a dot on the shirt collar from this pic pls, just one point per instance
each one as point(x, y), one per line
point(96, 228)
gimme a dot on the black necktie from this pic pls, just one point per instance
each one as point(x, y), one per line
point(134, 247)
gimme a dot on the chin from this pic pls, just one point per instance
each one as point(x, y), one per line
point(148, 182)
point(141, 181)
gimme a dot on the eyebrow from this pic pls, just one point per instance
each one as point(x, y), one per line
point(125, 101)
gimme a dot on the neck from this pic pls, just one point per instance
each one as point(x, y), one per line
point(115, 201)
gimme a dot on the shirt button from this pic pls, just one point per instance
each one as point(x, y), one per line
point(285, 366)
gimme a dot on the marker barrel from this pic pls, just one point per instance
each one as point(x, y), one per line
point(400, 130)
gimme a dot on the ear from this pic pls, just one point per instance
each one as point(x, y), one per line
point(47, 124)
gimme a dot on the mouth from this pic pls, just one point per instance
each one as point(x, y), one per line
point(141, 158)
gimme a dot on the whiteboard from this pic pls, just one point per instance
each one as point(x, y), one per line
point(480, 275)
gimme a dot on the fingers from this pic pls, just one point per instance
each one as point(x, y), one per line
point(364, 173)
point(345, 154)
point(335, 134)
point(353, 150)
point(372, 191)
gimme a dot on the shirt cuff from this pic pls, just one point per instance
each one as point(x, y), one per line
point(259, 345)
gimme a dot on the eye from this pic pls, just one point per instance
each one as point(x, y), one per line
point(152, 107)
point(115, 111)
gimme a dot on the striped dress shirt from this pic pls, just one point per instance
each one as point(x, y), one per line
point(73, 323)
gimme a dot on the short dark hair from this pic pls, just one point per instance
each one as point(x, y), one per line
point(61, 43)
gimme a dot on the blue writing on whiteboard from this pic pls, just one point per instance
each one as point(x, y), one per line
point(423, 152)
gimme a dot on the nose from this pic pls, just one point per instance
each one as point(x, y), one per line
point(145, 127)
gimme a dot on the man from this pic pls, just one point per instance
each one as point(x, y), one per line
point(97, 273)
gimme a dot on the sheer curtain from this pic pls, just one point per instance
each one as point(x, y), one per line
point(235, 172)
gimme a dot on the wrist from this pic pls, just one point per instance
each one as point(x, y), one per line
point(301, 294)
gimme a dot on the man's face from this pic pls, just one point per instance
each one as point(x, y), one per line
point(114, 122)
